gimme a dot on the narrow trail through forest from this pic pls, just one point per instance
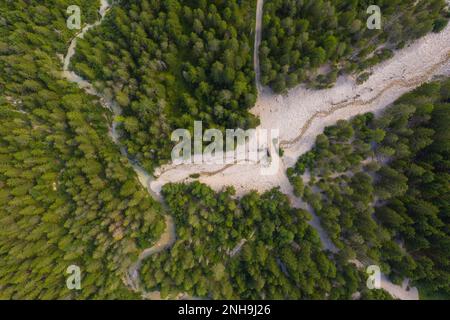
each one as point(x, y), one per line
point(258, 38)
point(409, 68)
point(152, 185)
point(131, 278)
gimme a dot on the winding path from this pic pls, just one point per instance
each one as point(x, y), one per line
point(302, 114)
point(131, 278)
point(258, 38)
point(275, 111)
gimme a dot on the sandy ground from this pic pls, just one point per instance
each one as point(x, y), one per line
point(403, 292)
point(300, 116)
point(166, 241)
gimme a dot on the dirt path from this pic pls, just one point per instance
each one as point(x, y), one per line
point(167, 239)
point(258, 36)
point(300, 115)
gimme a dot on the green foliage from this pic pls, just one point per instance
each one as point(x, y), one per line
point(170, 63)
point(378, 181)
point(300, 36)
point(376, 295)
point(67, 197)
point(255, 248)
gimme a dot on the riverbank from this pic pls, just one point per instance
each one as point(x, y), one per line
point(302, 114)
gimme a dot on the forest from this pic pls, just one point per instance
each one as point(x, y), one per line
point(257, 247)
point(315, 41)
point(170, 63)
point(67, 196)
point(381, 187)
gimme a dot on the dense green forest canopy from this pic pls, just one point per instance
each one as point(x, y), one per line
point(258, 247)
point(170, 63)
point(381, 187)
point(67, 197)
point(300, 36)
